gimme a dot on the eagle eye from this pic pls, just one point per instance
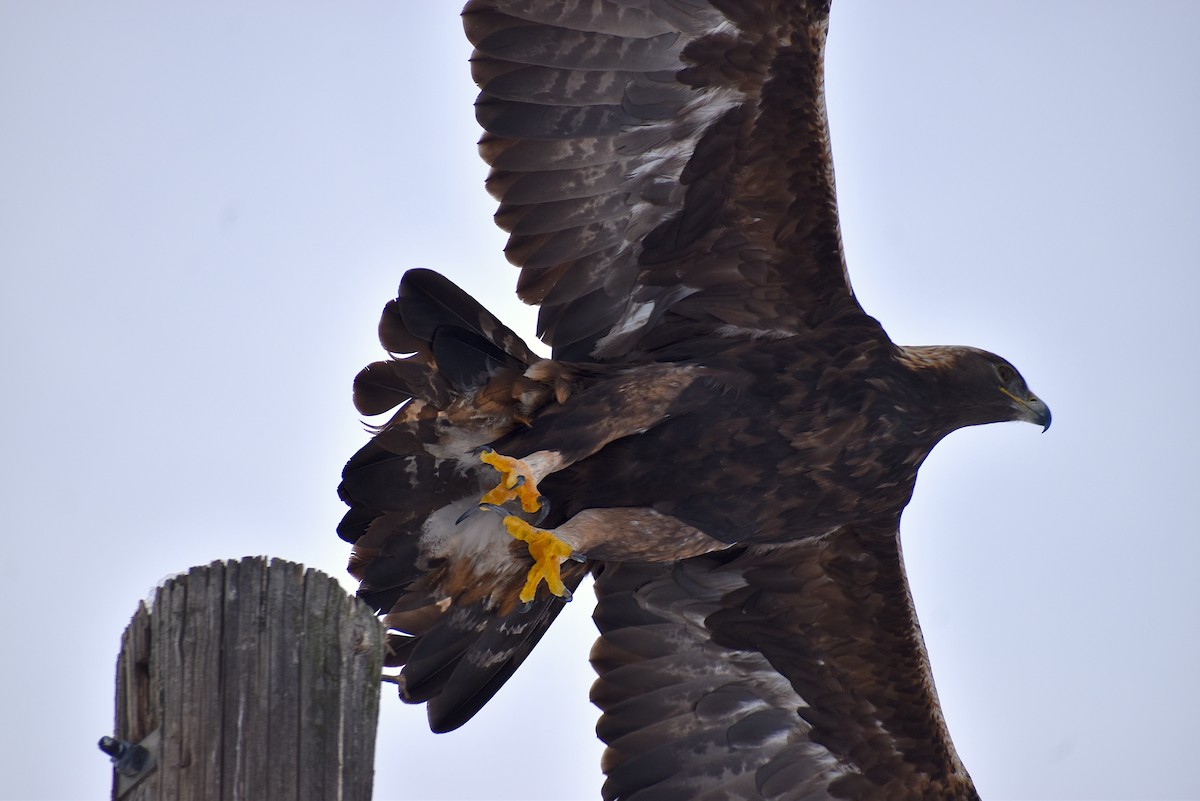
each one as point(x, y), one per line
point(1005, 372)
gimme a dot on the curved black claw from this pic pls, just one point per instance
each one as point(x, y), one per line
point(543, 511)
point(491, 507)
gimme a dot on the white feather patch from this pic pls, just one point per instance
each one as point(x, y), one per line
point(480, 539)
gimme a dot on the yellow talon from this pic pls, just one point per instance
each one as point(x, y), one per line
point(548, 552)
point(511, 484)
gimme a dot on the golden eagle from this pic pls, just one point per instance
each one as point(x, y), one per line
point(722, 437)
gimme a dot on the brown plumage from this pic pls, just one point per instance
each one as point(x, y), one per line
point(722, 431)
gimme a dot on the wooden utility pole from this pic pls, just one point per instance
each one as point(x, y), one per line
point(247, 680)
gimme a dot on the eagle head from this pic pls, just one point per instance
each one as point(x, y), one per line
point(975, 387)
point(1025, 405)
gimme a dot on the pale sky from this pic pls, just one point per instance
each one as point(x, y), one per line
point(204, 207)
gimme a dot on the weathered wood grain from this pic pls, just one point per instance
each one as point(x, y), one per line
point(262, 680)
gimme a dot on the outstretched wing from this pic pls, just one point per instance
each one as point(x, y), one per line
point(790, 672)
point(663, 167)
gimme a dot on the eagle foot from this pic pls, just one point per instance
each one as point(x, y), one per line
point(548, 553)
point(516, 482)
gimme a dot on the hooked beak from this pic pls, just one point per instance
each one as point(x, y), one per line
point(1033, 409)
point(1040, 413)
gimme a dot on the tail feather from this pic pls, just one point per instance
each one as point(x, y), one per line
point(457, 673)
point(394, 334)
point(381, 386)
point(386, 561)
point(384, 481)
point(468, 360)
point(437, 652)
point(429, 302)
point(354, 524)
point(448, 593)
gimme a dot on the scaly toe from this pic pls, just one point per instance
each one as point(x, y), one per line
point(548, 553)
point(516, 482)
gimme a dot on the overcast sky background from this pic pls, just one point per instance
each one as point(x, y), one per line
point(204, 207)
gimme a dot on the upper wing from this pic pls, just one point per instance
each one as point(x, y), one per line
point(663, 167)
point(785, 672)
